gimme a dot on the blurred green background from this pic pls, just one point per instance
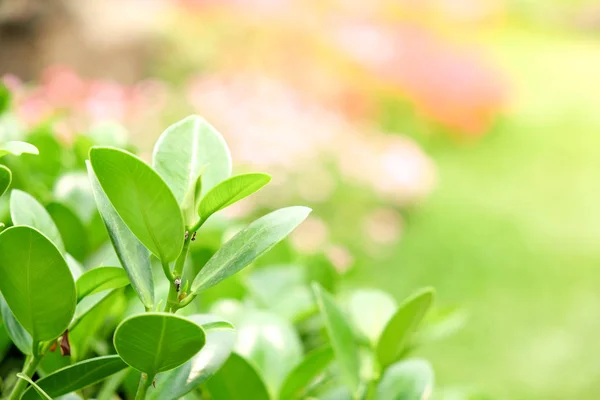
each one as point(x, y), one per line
point(492, 198)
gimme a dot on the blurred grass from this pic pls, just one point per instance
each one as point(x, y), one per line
point(512, 232)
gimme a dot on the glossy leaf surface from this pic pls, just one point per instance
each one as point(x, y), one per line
point(33, 271)
point(238, 379)
point(142, 200)
point(187, 148)
point(132, 254)
point(249, 244)
point(26, 210)
point(157, 342)
point(402, 325)
point(341, 337)
point(99, 279)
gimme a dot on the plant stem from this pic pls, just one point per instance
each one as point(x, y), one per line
point(29, 368)
point(145, 382)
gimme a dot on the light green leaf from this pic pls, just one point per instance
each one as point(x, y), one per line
point(39, 390)
point(157, 342)
point(70, 228)
point(305, 373)
point(5, 179)
point(402, 325)
point(249, 244)
point(187, 147)
point(341, 337)
point(99, 279)
point(231, 191)
point(16, 332)
point(77, 376)
point(26, 210)
point(271, 343)
point(17, 148)
point(142, 200)
point(237, 380)
point(406, 380)
point(370, 310)
point(36, 282)
point(132, 254)
point(220, 338)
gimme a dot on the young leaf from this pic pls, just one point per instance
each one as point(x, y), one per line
point(370, 310)
point(99, 279)
point(36, 282)
point(5, 179)
point(17, 148)
point(406, 380)
point(237, 380)
point(401, 326)
point(142, 200)
point(231, 191)
point(341, 337)
point(40, 391)
point(306, 372)
point(132, 254)
point(16, 332)
point(26, 210)
point(157, 342)
point(220, 338)
point(77, 376)
point(184, 149)
point(249, 244)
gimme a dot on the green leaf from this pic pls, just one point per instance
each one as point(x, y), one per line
point(370, 310)
point(305, 373)
point(220, 338)
point(157, 342)
point(341, 337)
point(132, 254)
point(402, 325)
point(231, 191)
point(16, 332)
point(99, 279)
point(36, 282)
point(237, 380)
point(142, 200)
point(271, 343)
point(26, 210)
point(406, 380)
point(70, 228)
point(249, 244)
point(187, 148)
point(17, 148)
point(5, 179)
point(40, 392)
point(77, 376)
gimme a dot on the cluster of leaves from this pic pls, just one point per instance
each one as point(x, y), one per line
point(64, 287)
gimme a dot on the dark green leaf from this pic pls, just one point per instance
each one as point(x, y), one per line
point(77, 376)
point(220, 338)
point(134, 257)
point(187, 148)
point(157, 342)
point(26, 210)
point(341, 337)
point(16, 332)
point(237, 380)
point(305, 373)
point(406, 380)
point(370, 310)
point(5, 179)
point(17, 148)
point(231, 191)
point(99, 279)
point(36, 282)
point(142, 200)
point(402, 325)
point(249, 244)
